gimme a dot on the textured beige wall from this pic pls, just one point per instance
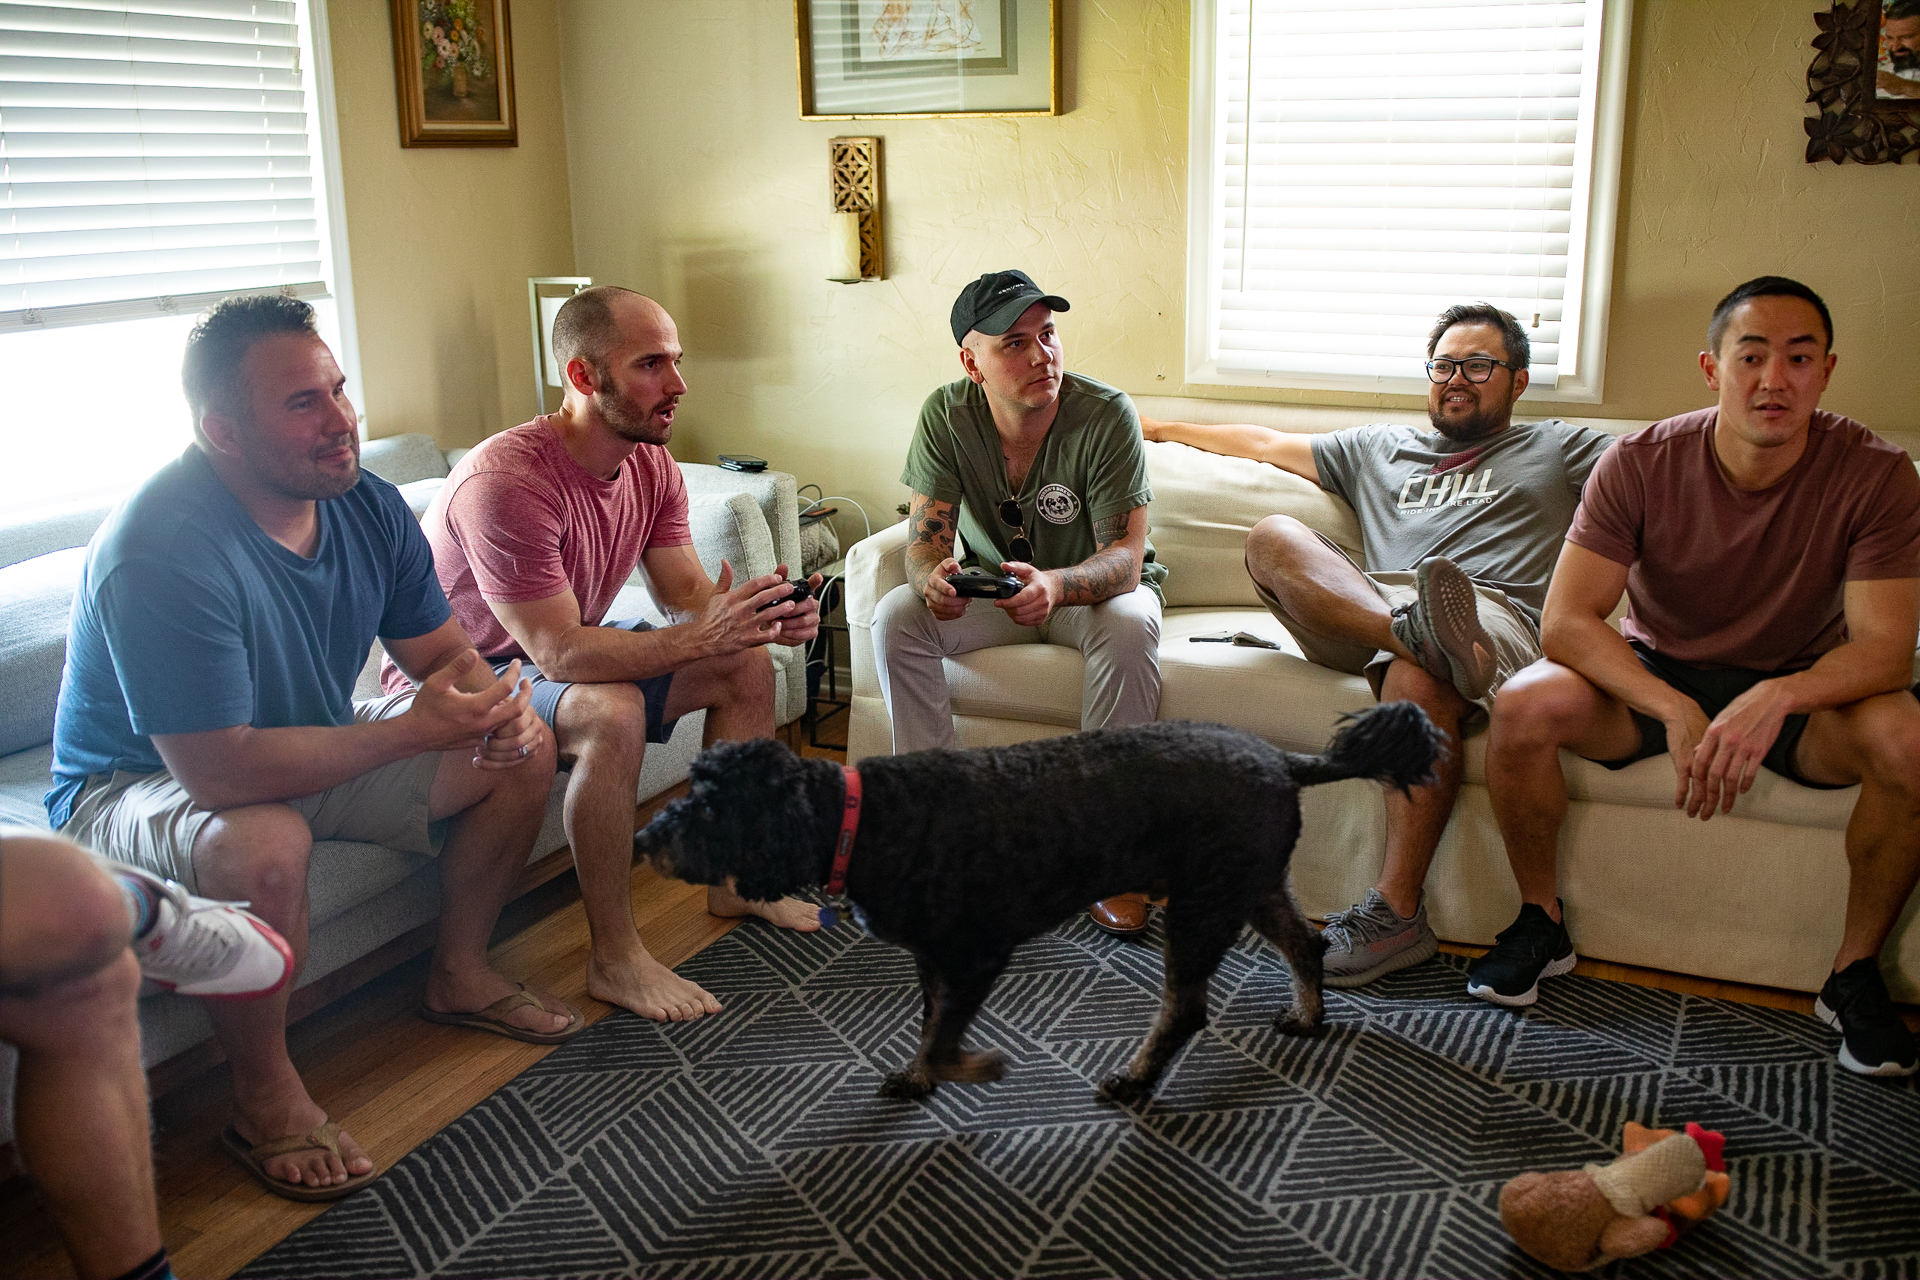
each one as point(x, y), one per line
point(443, 238)
point(693, 179)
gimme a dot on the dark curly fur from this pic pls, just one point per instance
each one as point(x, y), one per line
point(963, 855)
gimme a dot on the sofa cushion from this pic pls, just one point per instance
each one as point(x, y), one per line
point(1203, 507)
point(403, 458)
point(24, 779)
point(35, 597)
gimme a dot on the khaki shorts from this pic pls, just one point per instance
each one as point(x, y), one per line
point(1516, 639)
point(149, 820)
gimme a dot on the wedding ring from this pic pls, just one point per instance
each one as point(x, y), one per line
point(525, 751)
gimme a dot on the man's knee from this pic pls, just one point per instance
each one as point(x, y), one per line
point(89, 1016)
point(1544, 705)
point(65, 914)
point(902, 611)
point(603, 724)
point(1276, 543)
point(1890, 741)
point(259, 852)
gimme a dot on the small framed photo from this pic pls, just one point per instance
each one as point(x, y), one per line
point(1865, 79)
point(453, 71)
point(862, 59)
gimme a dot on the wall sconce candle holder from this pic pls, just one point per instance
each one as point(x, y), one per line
point(853, 174)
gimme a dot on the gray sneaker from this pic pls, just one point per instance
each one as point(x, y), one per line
point(1370, 940)
point(1450, 608)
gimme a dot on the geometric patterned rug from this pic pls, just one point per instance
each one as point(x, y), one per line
point(752, 1144)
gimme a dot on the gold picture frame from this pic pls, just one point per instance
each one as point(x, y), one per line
point(453, 73)
point(925, 59)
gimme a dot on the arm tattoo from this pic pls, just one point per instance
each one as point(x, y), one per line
point(931, 540)
point(1109, 571)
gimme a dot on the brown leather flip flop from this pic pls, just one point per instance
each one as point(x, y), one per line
point(254, 1160)
point(494, 1018)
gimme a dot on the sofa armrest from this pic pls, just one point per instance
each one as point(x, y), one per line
point(875, 566)
point(776, 492)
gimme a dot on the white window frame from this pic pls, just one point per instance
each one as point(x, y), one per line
point(1590, 265)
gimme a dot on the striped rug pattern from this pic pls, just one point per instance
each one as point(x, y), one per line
point(753, 1144)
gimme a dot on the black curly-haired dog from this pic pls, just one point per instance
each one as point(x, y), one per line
point(960, 856)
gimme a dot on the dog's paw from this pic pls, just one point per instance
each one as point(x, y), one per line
point(1125, 1089)
point(910, 1083)
point(971, 1067)
point(1292, 1022)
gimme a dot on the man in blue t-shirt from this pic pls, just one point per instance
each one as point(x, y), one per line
point(206, 729)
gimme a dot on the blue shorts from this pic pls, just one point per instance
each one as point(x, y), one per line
point(653, 690)
point(1714, 688)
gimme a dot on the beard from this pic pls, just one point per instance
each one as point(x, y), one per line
point(1904, 59)
point(1478, 425)
point(630, 421)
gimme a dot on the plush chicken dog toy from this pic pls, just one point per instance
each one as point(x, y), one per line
point(1578, 1219)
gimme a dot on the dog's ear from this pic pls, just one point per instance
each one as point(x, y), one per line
point(750, 802)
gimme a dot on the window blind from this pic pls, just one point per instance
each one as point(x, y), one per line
point(1376, 161)
point(155, 156)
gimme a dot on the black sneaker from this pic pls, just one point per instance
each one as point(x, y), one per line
point(1531, 948)
point(1873, 1039)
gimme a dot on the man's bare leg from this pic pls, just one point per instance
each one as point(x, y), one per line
point(496, 814)
point(603, 727)
point(1416, 820)
point(259, 853)
point(1542, 709)
point(738, 695)
point(69, 989)
point(1320, 587)
point(1877, 743)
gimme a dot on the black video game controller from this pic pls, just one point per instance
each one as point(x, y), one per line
point(983, 584)
point(799, 593)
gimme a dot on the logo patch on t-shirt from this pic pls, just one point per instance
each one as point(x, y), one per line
point(1447, 489)
point(1057, 504)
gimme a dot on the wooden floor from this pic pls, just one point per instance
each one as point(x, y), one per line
point(393, 1081)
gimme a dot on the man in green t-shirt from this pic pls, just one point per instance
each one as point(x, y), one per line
point(1042, 473)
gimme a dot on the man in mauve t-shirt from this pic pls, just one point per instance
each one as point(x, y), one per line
point(534, 534)
point(1770, 553)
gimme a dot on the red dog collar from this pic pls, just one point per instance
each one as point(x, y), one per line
point(849, 823)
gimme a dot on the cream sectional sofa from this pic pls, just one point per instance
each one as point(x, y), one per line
point(1756, 896)
point(364, 896)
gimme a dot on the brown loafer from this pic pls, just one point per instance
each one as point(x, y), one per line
point(1123, 916)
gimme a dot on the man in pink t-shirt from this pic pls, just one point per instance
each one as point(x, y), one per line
point(1770, 554)
point(534, 534)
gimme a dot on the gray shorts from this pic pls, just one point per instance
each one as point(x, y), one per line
point(545, 694)
point(1516, 638)
point(149, 820)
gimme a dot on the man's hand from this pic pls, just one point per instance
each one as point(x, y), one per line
point(513, 741)
point(1898, 86)
point(799, 623)
point(448, 718)
point(1727, 757)
point(1036, 600)
point(943, 602)
point(732, 618)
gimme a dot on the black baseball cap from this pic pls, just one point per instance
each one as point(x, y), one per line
point(993, 302)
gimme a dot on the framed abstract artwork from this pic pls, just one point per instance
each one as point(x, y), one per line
point(453, 71)
point(860, 59)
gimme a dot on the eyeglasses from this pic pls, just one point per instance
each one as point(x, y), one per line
point(1021, 546)
point(1477, 368)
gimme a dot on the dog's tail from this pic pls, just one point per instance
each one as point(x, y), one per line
point(1393, 743)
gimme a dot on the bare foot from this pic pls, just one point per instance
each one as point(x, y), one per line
point(473, 991)
point(788, 913)
point(650, 989)
point(309, 1166)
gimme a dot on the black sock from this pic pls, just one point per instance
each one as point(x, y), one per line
point(154, 1268)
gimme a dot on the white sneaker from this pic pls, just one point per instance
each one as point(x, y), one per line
point(200, 947)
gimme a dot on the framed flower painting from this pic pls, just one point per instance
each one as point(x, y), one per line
point(453, 70)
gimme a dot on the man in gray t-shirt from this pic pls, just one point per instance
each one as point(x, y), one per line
point(1461, 526)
